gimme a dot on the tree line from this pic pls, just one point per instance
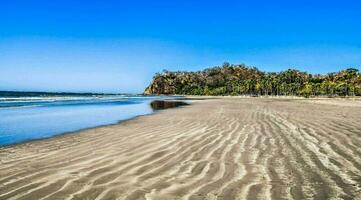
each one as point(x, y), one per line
point(230, 79)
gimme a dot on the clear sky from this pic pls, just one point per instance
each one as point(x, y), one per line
point(117, 46)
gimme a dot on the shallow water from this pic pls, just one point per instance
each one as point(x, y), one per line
point(23, 118)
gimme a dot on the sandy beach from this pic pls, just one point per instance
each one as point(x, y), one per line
point(224, 148)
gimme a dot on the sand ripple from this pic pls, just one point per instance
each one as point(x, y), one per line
point(215, 149)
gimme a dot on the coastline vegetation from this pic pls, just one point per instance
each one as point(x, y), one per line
point(230, 79)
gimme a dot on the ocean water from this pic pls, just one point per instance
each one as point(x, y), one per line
point(29, 118)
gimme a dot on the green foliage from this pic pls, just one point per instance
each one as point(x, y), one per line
point(307, 90)
point(242, 80)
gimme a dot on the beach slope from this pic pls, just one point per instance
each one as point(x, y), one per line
point(224, 148)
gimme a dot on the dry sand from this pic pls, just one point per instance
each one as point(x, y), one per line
point(228, 148)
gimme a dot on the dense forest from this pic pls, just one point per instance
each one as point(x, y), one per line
point(230, 79)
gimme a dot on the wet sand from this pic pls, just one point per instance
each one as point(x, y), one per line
point(224, 148)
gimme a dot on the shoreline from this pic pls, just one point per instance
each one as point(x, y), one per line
point(85, 129)
point(64, 134)
point(227, 148)
point(269, 96)
point(185, 98)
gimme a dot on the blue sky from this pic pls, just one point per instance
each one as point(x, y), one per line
point(117, 46)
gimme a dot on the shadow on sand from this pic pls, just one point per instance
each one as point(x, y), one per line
point(161, 105)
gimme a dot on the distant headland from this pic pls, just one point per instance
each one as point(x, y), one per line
point(230, 79)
